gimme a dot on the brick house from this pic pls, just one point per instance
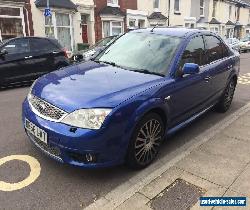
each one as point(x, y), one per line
point(15, 19)
point(113, 17)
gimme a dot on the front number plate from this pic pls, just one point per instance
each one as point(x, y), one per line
point(36, 131)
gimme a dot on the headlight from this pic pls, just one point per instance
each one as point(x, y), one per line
point(87, 118)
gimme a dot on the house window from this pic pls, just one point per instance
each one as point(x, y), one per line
point(49, 27)
point(59, 26)
point(237, 13)
point(177, 5)
point(201, 7)
point(112, 28)
point(230, 12)
point(214, 29)
point(11, 22)
point(132, 23)
point(214, 8)
point(113, 3)
point(141, 23)
point(156, 4)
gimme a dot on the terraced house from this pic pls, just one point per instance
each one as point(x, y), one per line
point(75, 22)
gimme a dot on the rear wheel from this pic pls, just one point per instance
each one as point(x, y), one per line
point(146, 140)
point(227, 97)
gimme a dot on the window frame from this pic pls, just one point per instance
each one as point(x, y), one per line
point(202, 7)
point(113, 3)
point(179, 5)
point(177, 73)
point(111, 27)
point(214, 8)
point(54, 26)
point(206, 47)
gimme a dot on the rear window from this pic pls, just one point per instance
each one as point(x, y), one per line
point(37, 44)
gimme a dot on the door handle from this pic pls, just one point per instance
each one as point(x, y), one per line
point(28, 57)
point(207, 79)
point(55, 52)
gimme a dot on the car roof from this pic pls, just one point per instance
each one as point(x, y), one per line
point(168, 31)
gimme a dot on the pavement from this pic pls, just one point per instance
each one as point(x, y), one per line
point(30, 180)
point(218, 165)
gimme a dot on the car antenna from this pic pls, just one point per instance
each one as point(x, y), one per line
point(152, 30)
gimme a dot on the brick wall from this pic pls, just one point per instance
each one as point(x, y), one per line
point(100, 4)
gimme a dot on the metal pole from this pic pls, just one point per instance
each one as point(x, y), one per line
point(169, 12)
point(47, 3)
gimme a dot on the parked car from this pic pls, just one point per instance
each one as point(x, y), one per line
point(86, 55)
point(234, 43)
point(25, 59)
point(120, 107)
point(245, 44)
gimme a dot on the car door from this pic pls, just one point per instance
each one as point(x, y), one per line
point(190, 93)
point(220, 64)
point(43, 57)
point(15, 65)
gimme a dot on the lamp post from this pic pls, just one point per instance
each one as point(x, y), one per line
point(168, 12)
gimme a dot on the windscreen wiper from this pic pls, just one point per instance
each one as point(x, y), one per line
point(145, 71)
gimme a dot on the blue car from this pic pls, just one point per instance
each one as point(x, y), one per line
point(119, 107)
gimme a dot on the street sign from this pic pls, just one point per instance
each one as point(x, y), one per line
point(47, 12)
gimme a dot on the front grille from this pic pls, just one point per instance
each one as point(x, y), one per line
point(45, 110)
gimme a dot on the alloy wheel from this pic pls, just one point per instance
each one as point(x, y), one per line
point(148, 141)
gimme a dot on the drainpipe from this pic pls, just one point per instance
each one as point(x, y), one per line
point(168, 12)
point(27, 18)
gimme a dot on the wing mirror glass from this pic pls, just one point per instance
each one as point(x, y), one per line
point(77, 58)
point(190, 68)
point(3, 52)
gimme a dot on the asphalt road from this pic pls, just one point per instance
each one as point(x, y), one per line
point(64, 187)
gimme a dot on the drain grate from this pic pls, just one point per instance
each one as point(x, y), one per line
point(180, 195)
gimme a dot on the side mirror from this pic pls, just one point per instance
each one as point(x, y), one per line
point(3, 52)
point(190, 68)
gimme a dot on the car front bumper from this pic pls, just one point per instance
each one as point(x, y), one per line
point(107, 146)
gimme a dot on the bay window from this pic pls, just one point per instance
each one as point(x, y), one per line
point(59, 26)
point(112, 28)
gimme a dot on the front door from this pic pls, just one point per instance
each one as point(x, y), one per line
point(190, 93)
point(84, 33)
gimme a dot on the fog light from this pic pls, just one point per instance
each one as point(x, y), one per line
point(89, 157)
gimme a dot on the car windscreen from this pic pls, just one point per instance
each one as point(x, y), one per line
point(151, 53)
point(103, 42)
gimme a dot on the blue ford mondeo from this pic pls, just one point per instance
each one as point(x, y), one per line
point(119, 107)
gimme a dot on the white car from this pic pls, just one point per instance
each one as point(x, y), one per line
point(245, 44)
point(234, 43)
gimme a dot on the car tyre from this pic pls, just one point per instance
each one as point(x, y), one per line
point(227, 97)
point(145, 142)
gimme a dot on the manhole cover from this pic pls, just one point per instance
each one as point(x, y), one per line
point(180, 195)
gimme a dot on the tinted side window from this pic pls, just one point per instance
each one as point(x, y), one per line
point(214, 48)
point(41, 45)
point(17, 46)
point(194, 52)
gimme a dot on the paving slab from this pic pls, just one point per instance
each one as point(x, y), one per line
point(160, 183)
point(230, 193)
point(217, 169)
point(228, 147)
point(238, 131)
point(136, 202)
point(242, 183)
